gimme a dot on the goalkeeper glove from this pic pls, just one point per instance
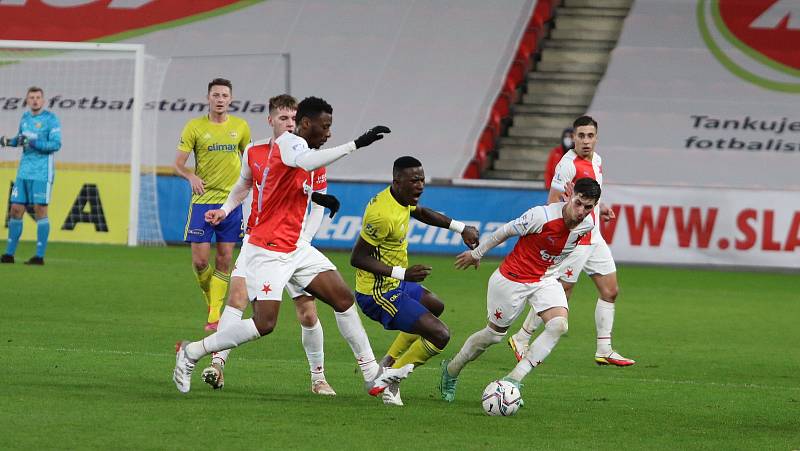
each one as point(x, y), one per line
point(22, 141)
point(372, 135)
point(3, 141)
point(327, 201)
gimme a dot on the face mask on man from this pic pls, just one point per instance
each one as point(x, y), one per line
point(567, 142)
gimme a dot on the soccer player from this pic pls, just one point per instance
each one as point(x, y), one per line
point(39, 135)
point(593, 255)
point(387, 290)
point(528, 275)
point(217, 141)
point(275, 253)
point(281, 117)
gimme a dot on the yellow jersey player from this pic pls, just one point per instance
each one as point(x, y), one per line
point(387, 290)
point(217, 141)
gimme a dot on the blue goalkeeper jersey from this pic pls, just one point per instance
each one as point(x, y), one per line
point(44, 139)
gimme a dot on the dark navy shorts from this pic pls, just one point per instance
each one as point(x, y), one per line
point(198, 230)
point(397, 309)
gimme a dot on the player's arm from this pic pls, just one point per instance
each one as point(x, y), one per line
point(236, 196)
point(561, 185)
point(363, 258)
point(52, 142)
point(14, 140)
point(300, 156)
point(197, 184)
point(530, 222)
point(427, 216)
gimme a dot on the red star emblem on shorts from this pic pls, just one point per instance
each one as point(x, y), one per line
point(266, 288)
point(569, 272)
point(498, 314)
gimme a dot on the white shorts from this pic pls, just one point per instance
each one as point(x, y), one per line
point(506, 299)
point(239, 271)
point(590, 258)
point(269, 272)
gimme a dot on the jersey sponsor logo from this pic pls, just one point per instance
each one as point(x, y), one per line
point(554, 259)
point(222, 147)
point(66, 19)
point(755, 40)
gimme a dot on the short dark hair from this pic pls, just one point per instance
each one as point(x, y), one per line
point(34, 89)
point(588, 188)
point(584, 120)
point(312, 108)
point(282, 101)
point(404, 163)
point(220, 82)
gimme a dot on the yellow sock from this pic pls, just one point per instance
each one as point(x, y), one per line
point(401, 344)
point(217, 290)
point(419, 353)
point(204, 280)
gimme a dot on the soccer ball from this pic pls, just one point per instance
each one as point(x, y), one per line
point(501, 398)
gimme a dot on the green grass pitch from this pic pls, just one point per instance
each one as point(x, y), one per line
point(87, 345)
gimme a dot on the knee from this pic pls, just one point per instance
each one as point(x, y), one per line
point(440, 337)
point(307, 318)
point(238, 295)
point(199, 263)
point(342, 300)
point(265, 326)
point(17, 211)
point(558, 325)
point(223, 261)
point(609, 294)
point(437, 308)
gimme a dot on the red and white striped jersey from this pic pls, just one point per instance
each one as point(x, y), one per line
point(280, 219)
point(571, 168)
point(544, 242)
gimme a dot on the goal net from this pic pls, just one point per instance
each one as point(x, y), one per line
point(104, 188)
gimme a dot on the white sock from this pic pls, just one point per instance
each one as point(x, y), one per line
point(604, 320)
point(473, 347)
point(353, 332)
point(313, 344)
point(532, 322)
point(230, 315)
point(233, 335)
point(541, 347)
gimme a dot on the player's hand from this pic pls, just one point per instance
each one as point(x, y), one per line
point(3, 141)
point(326, 200)
point(417, 273)
point(214, 217)
point(569, 188)
point(470, 236)
point(22, 141)
point(372, 135)
point(606, 213)
point(465, 259)
point(198, 185)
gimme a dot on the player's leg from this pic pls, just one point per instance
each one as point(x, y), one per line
point(413, 317)
point(404, 340)
point(266, 275)
point(231, 314)
point(312, 337)
point(568, 271)
point(18, 200)
point(321, 279)
point(550, 301)
point(603, 271)
point(198, 234)
point(228, 234)
point(505, 300)
point(42, 234)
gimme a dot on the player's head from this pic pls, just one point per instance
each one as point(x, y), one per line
point(584, 136)
point(34, 99)
point(282, 111)
point(585, 195)
point(220, 95)
point(314, 119)
point(408, 180)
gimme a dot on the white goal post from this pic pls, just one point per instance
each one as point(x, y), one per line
point(44, 50)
